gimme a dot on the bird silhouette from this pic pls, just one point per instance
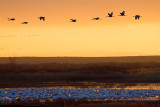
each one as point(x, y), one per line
point(42, 18)
point(137, 17)
point(110, 14)
point(11, 19)
point(96, 18)
point(73, 20)
point(24, 22)
point(122, 13)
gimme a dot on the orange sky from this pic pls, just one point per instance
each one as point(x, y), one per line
point(117, 36)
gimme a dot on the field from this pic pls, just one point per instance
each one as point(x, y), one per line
point(77, 69)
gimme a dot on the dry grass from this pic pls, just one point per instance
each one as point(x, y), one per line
point(13, 74)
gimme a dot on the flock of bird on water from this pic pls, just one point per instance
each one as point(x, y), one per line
point(75, 20)
point(11, 95)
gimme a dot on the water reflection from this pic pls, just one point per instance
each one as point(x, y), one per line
point(91, 91)
point(91, 94)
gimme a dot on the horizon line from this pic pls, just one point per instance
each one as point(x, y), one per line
point(83, 56)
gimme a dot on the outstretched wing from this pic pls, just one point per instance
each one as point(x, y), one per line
point(135, 17)
point(43, 18)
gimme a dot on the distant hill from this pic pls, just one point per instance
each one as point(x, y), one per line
point(82, 60)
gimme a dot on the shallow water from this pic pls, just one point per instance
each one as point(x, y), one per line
point(92, 91)
point(91, 94)
point(80, 84)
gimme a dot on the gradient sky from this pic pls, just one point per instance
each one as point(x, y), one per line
point(117, 36)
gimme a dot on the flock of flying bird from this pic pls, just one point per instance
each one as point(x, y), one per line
point(13, 19)
point(75, 20)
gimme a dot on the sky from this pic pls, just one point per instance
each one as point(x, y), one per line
point(57, 36)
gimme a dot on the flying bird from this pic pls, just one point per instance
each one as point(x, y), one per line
point(97, 18)
point(73, 20)
point(11, 19)
point(110, 14)
point(24, 22)
point(42, 18)
point(137, 17)
point(123, 13)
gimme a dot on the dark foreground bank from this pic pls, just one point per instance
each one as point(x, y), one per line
point(85, 103)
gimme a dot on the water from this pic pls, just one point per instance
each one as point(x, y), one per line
point(70, 84)
point(92, 91)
